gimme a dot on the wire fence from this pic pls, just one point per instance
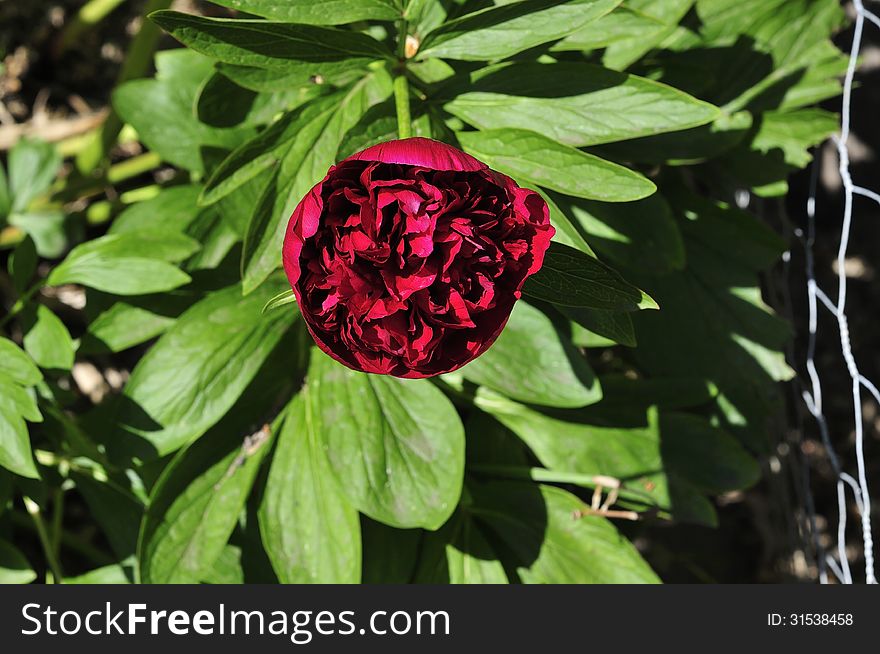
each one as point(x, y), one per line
point(838, 562)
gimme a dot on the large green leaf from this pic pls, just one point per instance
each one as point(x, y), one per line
point(195, 505)
point(620, 25)
point(200, 366)
point(305, 163)
point(264, 150)
point(304, 50)
point(396, 446)
point(310, 531)
point(129, 263)
point(48, 341)
point(640, 235)
point(532, 362)
point(574, 103)
point(499, 32)
point(572, 278)
point(549, 544)
point(149, 105)
point(573, 442)
point(713, 311)
point(173, 209)
point(623, 52)
point(326, 12)
point(531, 157)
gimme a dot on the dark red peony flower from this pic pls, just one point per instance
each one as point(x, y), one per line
point(407, 258)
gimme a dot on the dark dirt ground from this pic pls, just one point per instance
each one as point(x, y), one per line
point(761, 536)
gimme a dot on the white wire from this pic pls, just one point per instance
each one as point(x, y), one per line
point(813, 399)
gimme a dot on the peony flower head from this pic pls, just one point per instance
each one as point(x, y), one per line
point(407, 258)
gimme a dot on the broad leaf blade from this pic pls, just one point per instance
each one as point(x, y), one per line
point(310, 531)
point(499, 32)
point(309, 12)
point(397, 446)
point(533, 158)
point(532, 362)
point(200, 366)
point(574, 103)
point(573, 279)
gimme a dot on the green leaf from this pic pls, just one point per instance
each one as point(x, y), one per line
point(303, 49)
point(622, 53)
point(5, 197)
point(549, 544)
point(115, 507)
point(640, 235)
point(17, 372)
point(129, 263)
point(16, 365)
point(310, 532)
point(686, 147)
point(227, 569)
point(200, 367)
point(704, 455)
point(110, 574)
point(621, 24)
point(265, 150)
point(148, 105)
point(48, 341)
point(172, 210)
point(576, 104)
point(573, 279)
point(32, 168)
point(713, 311)
point(47, 227)
point(499, 32)
point(23, 264)
point(534, 158)
point(532, 362)
point(304, 164)
point(664, 392)
point(15, 445)
point(121, 324)
point(580, 442)
point(326, 12)
point(597, 328)
point(14, 568)
point(282, 299)
point(300, 80)
point(195, 505)
point(390, 555)
point(396, 446)
point(459, 554)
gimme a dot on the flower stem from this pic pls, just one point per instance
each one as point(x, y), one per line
point(401, 86)
point(54, 574)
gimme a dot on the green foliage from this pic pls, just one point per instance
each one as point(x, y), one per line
point(642, 352)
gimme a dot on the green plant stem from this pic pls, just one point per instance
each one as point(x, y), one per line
point(21, 303)
point(401, 86)
point(57, 521)
point(33, 510)
point(71, 542)
point(543, 475)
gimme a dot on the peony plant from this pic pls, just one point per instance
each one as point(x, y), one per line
point(529, 330)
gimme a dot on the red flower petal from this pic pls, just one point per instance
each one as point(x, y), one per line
point(419, 151)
